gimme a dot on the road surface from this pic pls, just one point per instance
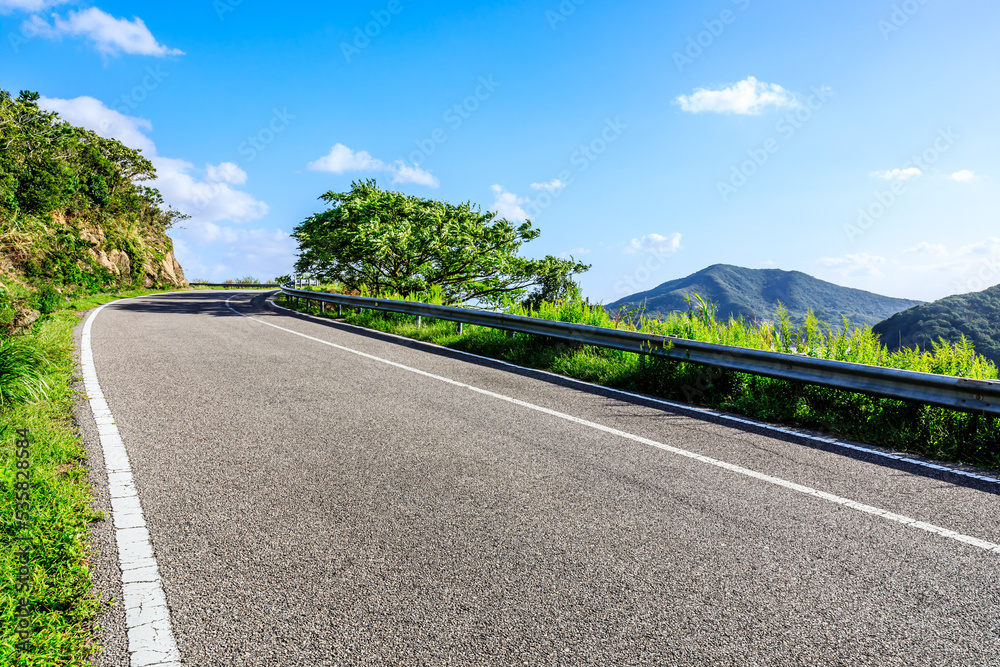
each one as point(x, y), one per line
point(317, 494)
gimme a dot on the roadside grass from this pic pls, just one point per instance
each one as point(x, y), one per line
point(61, 606)
point(937, 433)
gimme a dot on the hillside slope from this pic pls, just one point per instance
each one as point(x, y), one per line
point(975, 316)
point(754, 294)
point(74, 216)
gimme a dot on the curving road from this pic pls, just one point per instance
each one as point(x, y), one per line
point(317, 494)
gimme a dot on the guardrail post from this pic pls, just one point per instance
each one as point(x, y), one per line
point(459, 328)
point(340, 310)
point(419, 321)
point(322, 307)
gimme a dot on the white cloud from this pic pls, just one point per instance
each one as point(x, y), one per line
point(401, 173)
point(508, 204)
point(963, 175)
point(205, 200)
point(898, 174)
point(555, 185)
point(9, 6)
point(990, 246)
point(928, 249)
point(234, 252)
point(748, 97)
point(110, 124)
point(111, 36)
point(225, 172)
point(926, 271)
point(655, 243)
point(341, 159)
point(855, 265)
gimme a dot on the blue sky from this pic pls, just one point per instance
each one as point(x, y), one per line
point(855, 141)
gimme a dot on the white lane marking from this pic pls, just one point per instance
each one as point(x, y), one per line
point(150, 635)
point(740, 470)
point(678, 406)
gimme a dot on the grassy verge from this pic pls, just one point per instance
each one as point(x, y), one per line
point(937, 433)
point(59, 604)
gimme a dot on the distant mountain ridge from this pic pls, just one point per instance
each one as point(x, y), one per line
point(754, 295)
point(975, 315)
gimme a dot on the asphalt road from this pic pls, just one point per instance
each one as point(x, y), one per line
point(312, 506)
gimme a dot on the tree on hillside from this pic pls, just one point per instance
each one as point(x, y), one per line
point(71, 200)
point(391, 242)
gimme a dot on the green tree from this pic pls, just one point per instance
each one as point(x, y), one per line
point(391, 242)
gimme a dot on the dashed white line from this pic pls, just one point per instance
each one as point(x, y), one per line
point(740, 470)
point(150, 635)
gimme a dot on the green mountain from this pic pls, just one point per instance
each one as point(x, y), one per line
point(754, 294)
point(975, 315)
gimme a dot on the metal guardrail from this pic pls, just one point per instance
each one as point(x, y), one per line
point(236, 285)
point(940, 390)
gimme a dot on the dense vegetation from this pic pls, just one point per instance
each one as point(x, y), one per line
point(74, 215)
point(933, 432)
point(388, 241)
point(754, 294)
point(974, 316)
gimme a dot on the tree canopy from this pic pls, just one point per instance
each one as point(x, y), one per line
point(46, 164)
point(389, 242)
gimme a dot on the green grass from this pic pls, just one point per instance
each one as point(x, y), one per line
point(937, 433)
point(61, 604)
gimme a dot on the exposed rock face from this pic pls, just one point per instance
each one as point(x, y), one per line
point(116, 261)
point(93, 235)
point(166, 271)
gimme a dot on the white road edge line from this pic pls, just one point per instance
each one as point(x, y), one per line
point(740, 470)
point(150, 635)
point(678, 406)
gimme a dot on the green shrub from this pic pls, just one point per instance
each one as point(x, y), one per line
point(48, 299)
point(22, 371)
